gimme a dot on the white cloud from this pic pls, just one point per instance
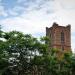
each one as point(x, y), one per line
point(68, 4)
point(31, 25)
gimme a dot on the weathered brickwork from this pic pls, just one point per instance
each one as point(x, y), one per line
point(60, 36)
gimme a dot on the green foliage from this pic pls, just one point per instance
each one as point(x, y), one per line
point(22, 54)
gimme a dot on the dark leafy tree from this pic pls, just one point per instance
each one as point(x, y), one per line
point(22, 54)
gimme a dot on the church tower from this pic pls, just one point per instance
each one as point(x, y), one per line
point(60, 37)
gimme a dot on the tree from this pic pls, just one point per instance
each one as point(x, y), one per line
point(22, 49)
point(23, 54)
point(3, 52)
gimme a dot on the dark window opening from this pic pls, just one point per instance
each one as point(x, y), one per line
point(62, 37)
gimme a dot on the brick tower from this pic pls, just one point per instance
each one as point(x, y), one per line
point(60, 36)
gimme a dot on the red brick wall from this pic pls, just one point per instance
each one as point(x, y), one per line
point(54, 33)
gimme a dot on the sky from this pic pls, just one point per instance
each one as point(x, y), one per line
point(33, 16)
